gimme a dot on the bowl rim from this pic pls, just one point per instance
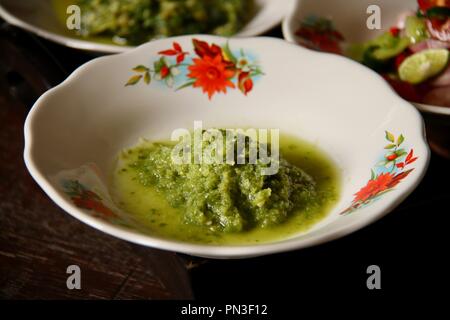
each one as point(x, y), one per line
point(97, 47)
point(288, 35)
point(60, 39)
point(432, 109)
point(216, 251)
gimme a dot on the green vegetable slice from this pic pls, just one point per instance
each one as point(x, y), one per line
point(423, 65)
point(386, 46)
point(398, 46)
point(381, 50)
point(416, 29)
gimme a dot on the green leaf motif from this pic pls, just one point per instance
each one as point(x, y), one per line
point(390, 137)
point(133, 80)
point(159, 64)
point(389, 164)
point(382, 163)
point(187, 84)
point(390, 146)
point(140, 68)
point(372, 175)
point(228, 53)
point(400, 140)
point(147, 77)
point(401, 152)
point(256, 72)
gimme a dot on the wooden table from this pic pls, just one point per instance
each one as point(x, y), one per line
point(38, 241)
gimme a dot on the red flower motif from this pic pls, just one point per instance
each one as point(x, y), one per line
point(176, 51)
point(203, 49)
point(400, 165)
point(91, 201)
point(245, 82)
point(398, 178)
point(381, 183)
point(391, 157)
point(164, 72)
point(410, 157)
point(408, 160)
point(374, 187)
point(211, 74)
point(387, 180)
point(214, 69)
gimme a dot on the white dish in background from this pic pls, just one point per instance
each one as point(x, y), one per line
point(38, 16)
point(75, 131)
point(350, 18)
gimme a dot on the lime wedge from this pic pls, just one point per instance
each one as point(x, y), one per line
point(423, 65)
point(416, 29)
point(398, 46)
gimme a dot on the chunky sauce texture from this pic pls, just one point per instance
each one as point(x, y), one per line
point(222, 203)
point(132, 22)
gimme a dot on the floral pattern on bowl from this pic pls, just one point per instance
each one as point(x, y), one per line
point(212, 68)
point(86, 190)
point(84, 198)
point(386, 174)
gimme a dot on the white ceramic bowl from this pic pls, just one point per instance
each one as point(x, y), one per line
point(38, 16)
point(350, 18)
point(75, 131)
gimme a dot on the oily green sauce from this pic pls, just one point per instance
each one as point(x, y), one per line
point(60, 7)
point(153, 212)
point(133, 22)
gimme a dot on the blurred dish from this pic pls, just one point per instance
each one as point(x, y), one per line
point(412, 45)
point(412, 55)
point(40, 17)
point(133, 22)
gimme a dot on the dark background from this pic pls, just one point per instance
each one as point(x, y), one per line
point(38, 240)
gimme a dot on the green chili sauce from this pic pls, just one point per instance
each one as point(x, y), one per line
point(152, 205)
point(133, 22)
